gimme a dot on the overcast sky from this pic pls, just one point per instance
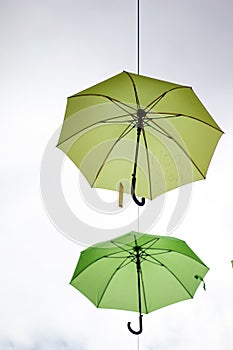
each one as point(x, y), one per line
point(50, 50)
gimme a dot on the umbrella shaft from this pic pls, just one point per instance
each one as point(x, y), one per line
point(138, 264)
point(136, 153)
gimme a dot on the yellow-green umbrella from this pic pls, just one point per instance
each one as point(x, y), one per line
point(134, 126)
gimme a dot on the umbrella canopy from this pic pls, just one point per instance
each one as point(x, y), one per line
point(138, 272)
point(134, 126)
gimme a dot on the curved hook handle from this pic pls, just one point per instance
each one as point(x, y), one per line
point(140, 204)
point(140, 325)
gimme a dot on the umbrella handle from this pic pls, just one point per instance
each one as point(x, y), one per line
point(140, 204)
point(140, 325)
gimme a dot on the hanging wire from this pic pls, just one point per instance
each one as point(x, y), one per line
point(138, 51)
point(138, 36)
point(138, 218)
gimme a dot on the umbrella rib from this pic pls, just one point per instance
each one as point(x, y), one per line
point(159, 131)
point(85, 268)
point(182, 148)
point(123, 134)
point(148, 162)
point(112, 99)
point(93, 262)
point(99, 122)
point(135, 90)
point(115, 257)
point(153, 103)
point(132, 258)
point(177, 115)
point(117, 244)
point(188, 256)
point(164, 252)
point(109, 281)
point(115, 122)
point(154, 240)
point(172, 273)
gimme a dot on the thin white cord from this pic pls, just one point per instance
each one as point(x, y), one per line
point(138, 218)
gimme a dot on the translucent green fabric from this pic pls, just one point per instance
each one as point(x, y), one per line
point(100, 130)
point(106, 273)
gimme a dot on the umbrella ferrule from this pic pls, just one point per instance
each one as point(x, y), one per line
point(141, 114)
point(138, 263)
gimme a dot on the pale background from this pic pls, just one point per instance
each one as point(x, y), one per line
point(50, 50)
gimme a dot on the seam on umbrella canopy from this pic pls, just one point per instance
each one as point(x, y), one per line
point(175, 115)
point(184, 254)
point(89, 126)
point(111, 99)
point(170, 271)
point(135, 90)
point(118, 246)
point(179, 145)
point(94, 261)
point(163, 133)
point(117, 102)
point(109, 281)
point(120, 137)
point(159, 98)
point(157, 239)
point(114, 274)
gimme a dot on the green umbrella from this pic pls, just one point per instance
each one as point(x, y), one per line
point(138, 272)
point(134, 126)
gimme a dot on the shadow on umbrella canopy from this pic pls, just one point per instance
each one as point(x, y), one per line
point(138, 272)
point(139, 135)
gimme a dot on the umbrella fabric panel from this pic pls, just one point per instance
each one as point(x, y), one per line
point(90, 117)
point(182, 102)
point(96, 278)
point(127, 242)
point(167, 97)
point(120, 87)
point(148, 89)
point(169, 166)
point(166, 165)
point(117, 87)
point(93, 254)
point(191, 138)
point(121, 292)
point(165, 243)
point(160, 288)
point(111, 283)
point(90, 150)
point(168, 280)
point(105, 162)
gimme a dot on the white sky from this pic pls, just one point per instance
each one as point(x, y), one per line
point(50, 50)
